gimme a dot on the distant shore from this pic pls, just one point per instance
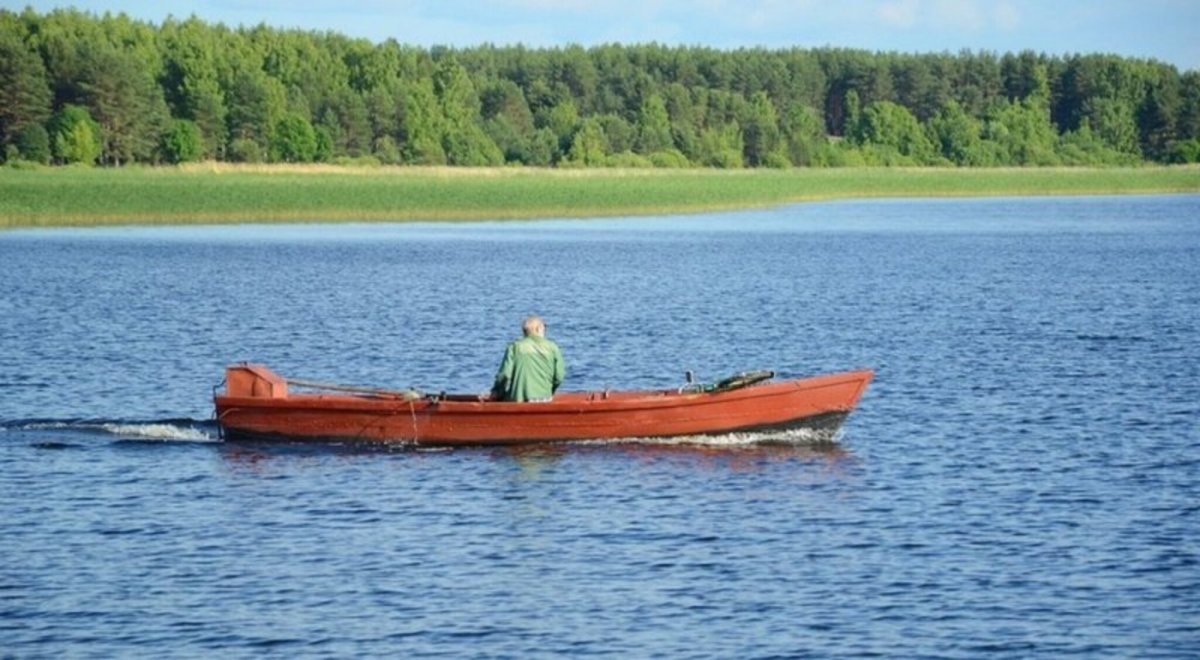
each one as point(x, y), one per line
point(224, 193)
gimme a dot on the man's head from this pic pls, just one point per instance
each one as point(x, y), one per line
point(533, 326)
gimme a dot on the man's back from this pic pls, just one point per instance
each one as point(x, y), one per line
point(531, 371)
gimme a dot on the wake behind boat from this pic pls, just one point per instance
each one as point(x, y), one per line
point(259, 404)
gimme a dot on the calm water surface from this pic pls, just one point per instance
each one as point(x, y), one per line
point(1022, 479)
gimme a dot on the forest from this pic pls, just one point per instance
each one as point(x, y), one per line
point(78, 88)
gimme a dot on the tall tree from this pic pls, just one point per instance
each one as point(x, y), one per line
point(504, 98)
point(74, 136)
point(508, 120)
point(760, 132)
point(956, 135)
point(561, 119)
point(256, 102)
point(24, 90)
point(463, 139)
point(721, 146)
point(978, 83)
point(1158, 115)
point(1024, 75)
point(293, 139)
point(126, 102)
point(183, 142)
point(892, 127)
point(385, 111)
point(191, 80)
point(587, 147)
point(1113, 122)
point(423, 123)
point(1188, 125)
point(345, 115)
point(1023, 132)
point(653, 126)
point(803, 132)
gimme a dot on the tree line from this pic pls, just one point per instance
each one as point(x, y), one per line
point(80, 88)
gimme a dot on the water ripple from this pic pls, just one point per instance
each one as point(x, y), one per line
point(1020, 480)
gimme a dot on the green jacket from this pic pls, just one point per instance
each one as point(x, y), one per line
point(532, 369)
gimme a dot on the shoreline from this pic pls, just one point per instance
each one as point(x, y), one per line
point(221, 193)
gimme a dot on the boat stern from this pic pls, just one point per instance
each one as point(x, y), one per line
point(254, 381)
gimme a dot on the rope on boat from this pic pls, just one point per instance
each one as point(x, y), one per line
point(412, 411)
point(407, 395)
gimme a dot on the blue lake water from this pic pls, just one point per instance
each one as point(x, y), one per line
point(1021, 479)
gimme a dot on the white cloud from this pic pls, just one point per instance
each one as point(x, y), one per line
point(900, 13)
point(958, 15)
point(1007, 16)
point(569, 6)
point(953, 16)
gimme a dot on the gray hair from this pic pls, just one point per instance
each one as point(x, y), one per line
point(532, 325)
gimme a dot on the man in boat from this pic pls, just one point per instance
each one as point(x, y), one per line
point(533, 366)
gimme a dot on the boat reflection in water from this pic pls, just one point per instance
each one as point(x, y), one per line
point(740, 452)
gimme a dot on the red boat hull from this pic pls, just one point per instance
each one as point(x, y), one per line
point(257, 405)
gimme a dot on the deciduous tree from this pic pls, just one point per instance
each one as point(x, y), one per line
point(293, 140)
point(184, 142)
point(74, 136)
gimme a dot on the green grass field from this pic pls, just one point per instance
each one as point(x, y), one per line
point(215, 193)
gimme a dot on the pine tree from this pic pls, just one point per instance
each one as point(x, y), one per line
point(24, 90)
point(653, 126)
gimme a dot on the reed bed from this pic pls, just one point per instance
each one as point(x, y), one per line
point(224, 193)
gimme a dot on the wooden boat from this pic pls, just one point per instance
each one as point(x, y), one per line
point(258, 404)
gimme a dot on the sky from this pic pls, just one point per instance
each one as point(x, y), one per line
point(1166, 30)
